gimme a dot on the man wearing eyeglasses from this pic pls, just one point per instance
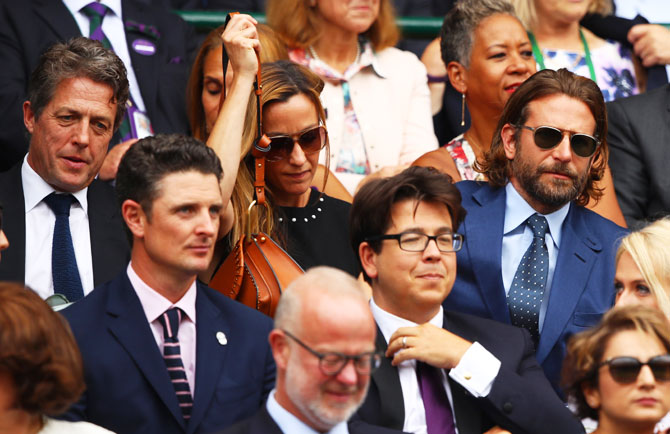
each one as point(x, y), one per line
point(535, 257)
point(444, 372)
point(323, 344)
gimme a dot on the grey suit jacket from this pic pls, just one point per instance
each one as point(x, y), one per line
point(639, 140)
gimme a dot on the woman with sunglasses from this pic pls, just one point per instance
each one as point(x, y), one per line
point(487, 55)
point(376, 96)
point(618, 372)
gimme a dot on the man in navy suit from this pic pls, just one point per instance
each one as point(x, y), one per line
point(163, 353)
point(155, 45)
point(443, 370)
point(547, 153)
point(76, 99)
point(324, 347)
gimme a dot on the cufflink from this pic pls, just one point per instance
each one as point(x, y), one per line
point(221, 337)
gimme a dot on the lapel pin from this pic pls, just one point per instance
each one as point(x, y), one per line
point(221, 337)
point(144, 47)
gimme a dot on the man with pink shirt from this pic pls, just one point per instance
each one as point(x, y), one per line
point(162, 352)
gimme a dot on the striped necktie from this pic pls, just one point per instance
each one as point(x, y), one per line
point(96, 12)
point(170, 321)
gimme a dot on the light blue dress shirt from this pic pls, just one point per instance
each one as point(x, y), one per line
point(290, 424)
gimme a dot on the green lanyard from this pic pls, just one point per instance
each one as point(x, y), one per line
point(587, 53)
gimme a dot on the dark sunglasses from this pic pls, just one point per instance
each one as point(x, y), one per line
point(311, 140)
point(549, 137)
point(625, 370)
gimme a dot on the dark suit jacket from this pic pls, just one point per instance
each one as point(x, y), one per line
point(582, 286)
point(128, 388)
point(28, 27)
point(639, 139)
point(109, 245)
point(521, 399)
point(262, 423)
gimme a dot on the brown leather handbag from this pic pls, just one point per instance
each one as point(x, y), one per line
point(258, 269)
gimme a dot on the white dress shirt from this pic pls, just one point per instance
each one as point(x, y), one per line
point(479, 366)
point(154, 305)
point(113, 28)
point(40, 222)
point(517, 237)
point(290, 424)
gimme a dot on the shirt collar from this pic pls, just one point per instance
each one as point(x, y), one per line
point(35, 189)
point(76, 5)
point(517, 211)
point(154, 304)
point(389, 323)
point(288, 422)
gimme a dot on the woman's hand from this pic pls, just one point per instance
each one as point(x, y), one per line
point(241, 42)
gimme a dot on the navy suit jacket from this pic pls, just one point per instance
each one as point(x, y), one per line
point(638, 135)
point(110, 250)
point(521, 399)
point(582, 287)
point(28, 27)
point(262, 423)
point(128, 388)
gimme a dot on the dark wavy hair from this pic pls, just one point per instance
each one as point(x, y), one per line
point(38, 352)
point(497, 167)
point(370, 213)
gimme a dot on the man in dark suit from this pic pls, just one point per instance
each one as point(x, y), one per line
point(546, 155)
point(443, 370)
point(639, 140)
point(324, 347)
point(163, 353)
point(155, 44)
point(76, 100)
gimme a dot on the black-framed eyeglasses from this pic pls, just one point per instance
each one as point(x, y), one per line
point(310, 140)
point(417, 242)
point(332, 363)
point(625, 370)
point(547, 137)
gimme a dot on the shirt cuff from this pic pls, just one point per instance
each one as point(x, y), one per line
point(476, 371)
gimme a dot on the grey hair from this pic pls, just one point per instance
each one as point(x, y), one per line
point(458, 28)
point(317, 282)
point(78, 58)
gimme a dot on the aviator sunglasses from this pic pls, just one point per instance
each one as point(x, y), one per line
point(549, 137)
point(310, 140)
point(625, 370)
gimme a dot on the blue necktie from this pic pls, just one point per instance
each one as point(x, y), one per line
point(525, 294)
point(170, 321)
point(63, 261)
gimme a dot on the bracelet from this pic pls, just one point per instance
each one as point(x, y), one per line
point(436, 78)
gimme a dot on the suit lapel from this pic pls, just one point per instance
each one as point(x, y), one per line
point(13, 264)
point(145, 67)
point(56, 15)
point(576, 257)
point(387, 381)
point(483, 239)
point(210, 354)
point(128, 323)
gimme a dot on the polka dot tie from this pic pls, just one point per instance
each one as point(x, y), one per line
point(525, 294)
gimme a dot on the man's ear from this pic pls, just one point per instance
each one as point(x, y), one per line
point(134, 216)
point(28, 116)
point(457, 76)
point(507, 134)
point(280, 349)
point(368, 259)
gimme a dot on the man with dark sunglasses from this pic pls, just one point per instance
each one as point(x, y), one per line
point(443, 371)
point(534, 256)
point(323, 344)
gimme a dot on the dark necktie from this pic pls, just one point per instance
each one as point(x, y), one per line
point(170, 321)
point(439, 418)
point(525, 294)
point(64, 268)
point(96, 12)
